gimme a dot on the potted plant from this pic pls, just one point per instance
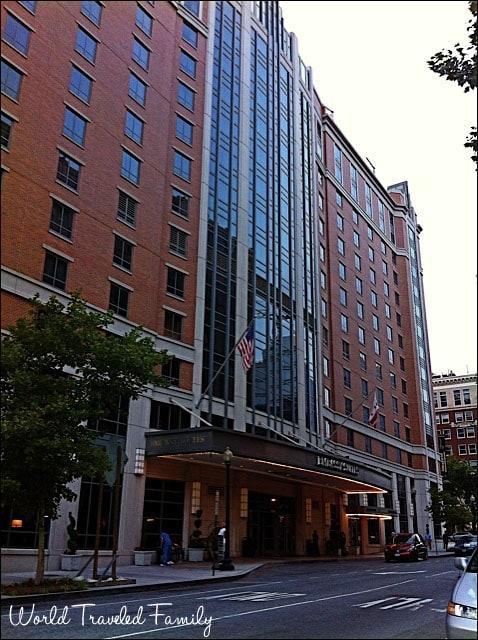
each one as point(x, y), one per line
point(196, 543)
point(69, 560)
point(143, 557)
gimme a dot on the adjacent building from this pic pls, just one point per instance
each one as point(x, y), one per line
point(174, 161)
point(456, 415)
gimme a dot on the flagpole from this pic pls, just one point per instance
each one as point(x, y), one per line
point(334, 430)
point(226, 360)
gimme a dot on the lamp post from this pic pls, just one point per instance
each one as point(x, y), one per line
point(226, 564)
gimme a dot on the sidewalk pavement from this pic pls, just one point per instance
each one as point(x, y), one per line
point(155, 577)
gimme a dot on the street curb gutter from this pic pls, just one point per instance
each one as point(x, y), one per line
point(161, 586)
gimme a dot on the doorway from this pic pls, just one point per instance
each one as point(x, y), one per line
point(271, 524)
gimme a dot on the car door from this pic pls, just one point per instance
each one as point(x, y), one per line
point(421, 546)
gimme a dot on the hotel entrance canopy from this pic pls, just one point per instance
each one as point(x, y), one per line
point(270, 457)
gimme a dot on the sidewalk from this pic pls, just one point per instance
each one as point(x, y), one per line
point(155, 577)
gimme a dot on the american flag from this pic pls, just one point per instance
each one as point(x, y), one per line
point(246, 349)
point(374, 414)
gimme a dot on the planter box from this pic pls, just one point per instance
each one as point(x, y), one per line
point(195, 555)
point(143, 558)
point(70, 562)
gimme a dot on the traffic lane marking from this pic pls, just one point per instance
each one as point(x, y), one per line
point(255, 596)
point(396, 573)
point(266, 609)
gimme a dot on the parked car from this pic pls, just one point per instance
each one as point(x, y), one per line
point(462, 607)
point(465, 544)
point(406, 546)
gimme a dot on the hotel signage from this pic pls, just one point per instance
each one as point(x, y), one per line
point(334, 464)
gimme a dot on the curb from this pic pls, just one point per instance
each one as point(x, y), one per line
point(157, 586)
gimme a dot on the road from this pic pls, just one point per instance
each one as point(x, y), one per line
point(348, 599)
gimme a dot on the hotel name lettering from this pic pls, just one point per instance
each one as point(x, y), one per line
point(178, 443)
point(333, 464)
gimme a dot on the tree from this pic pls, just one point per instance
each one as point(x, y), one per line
point(59, 368)
point(456, 503)
point(460, 65)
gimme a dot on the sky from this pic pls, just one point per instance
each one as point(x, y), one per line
point(369, 67)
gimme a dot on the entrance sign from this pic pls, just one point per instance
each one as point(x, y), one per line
point(335, 464)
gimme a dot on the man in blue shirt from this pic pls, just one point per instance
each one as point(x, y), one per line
point(166, 547)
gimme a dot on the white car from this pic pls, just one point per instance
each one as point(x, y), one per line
point(462, 607)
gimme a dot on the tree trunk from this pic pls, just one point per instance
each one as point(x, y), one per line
point(40, 572)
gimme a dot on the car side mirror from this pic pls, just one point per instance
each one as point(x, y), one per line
point(460, 563)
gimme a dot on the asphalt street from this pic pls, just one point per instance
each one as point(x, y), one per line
point(348, 599)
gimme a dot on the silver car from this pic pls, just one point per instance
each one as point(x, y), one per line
point(461, 611)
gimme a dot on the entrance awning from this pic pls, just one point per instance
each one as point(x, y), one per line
point(262, 455)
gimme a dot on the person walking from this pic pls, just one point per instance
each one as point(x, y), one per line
point(445, 540)
point(166, 547)
point(428, 537)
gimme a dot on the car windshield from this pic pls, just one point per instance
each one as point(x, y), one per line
point(466, 538)
point(403, 538)
point(473, 564)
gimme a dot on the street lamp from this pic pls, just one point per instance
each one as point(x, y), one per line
point(226, 564)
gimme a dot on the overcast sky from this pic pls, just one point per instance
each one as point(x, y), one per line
point(369, 66)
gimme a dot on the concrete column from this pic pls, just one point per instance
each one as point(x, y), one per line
point(395, 503)
point(132, 496)
point(409, 502)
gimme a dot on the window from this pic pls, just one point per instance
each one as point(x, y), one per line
point(119, 299)
point(130, 167)
point(381, 422)
point(445, 418)
point(360, 310)
point(127, 207)
point(386, 289)
point(55, 270)
point(180, 203)
point(341, 246)
point(363, 361)
point(340, 222)
point(321, 226)
point(338, 164)
point(347, 379)
point(365, 414)
point(402, 363)
point(373, 276)
point(391, 356)
point(389, 333)
point(393, 380)
point(348, 406)
point(384, 267)
point(325, 336)
point(323, 308)
point(405, 410)
point(358, 262)
point(472, 449)
point(323, 280)
point(92, 10)
point(457, 396)
point(369, 233)
point(395, 277)
point(380, 396)
point(460, 433)
point(378, 371)
point(133, 127)
point(368, 201)
point(353, 183)
point(175, 283)
point(123, 253)
point(350, 438)
point(396, 429)
point(16, 34)
point(192, 6)
point(61, 220)
point(355, 217)
point(325, 366)
point(462, 449)
point(144, 21)
point(364, 386)
point(321, 201)
point(140, 54)
point(470, 432)
point(376, 346)
point(383, 247)
point(85, 45)
point(182, 166)
point(29, 4)
point(186, 96)
point(404, 387)
point(68, 171)
point(361, 335)
point(184, 130)
point(358, 285)
point(7, 124)
point(400, 341)
point(397, 299)
point(187, 64)
point(344, 323)
point(368, 449)
point(466, 396)
point(373, 298)
point(345, 350)
point(343, 297)
point(408, 434)
point(398, 457)
point(468, 416)
point(80, 84)
point(443, 399)
point(356, 239)
point(326, 397)
point(137, 89)
point(178, 241)
point(74, 127)
point(190, 35)
point(173, 325)
point(394, 404)
point(322, 252)
point(11, 80)
point(342, 271)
